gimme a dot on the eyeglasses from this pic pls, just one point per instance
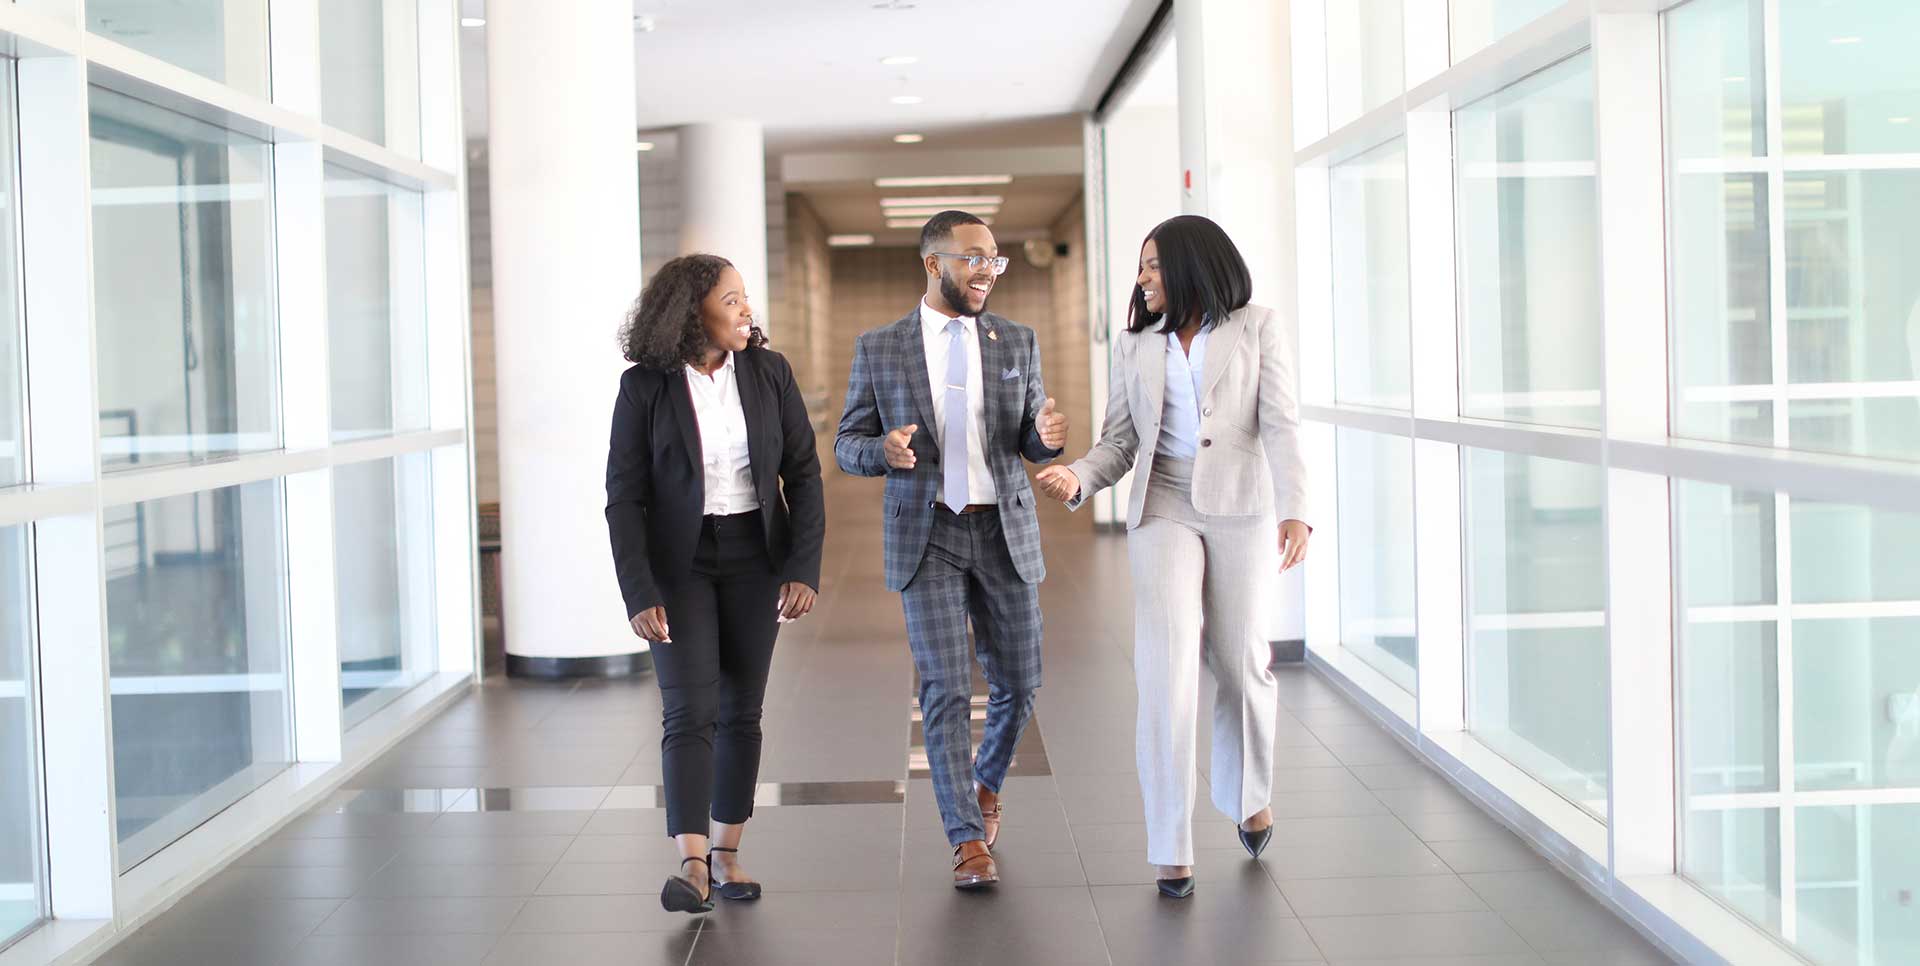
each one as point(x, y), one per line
point(978, 262)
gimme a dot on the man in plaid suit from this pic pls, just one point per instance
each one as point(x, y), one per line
point(944, 403)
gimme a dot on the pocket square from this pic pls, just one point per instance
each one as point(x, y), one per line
point(1010, 374)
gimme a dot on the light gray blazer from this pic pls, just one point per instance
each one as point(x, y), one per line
point(1249, 460)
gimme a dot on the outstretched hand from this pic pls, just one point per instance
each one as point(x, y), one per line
point(1059, 483)
point(898, 447)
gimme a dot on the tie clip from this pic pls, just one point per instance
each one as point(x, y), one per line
point(952, 386)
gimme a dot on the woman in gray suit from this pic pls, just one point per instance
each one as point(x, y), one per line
point(1207, 381)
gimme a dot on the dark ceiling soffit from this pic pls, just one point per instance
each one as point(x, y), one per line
point(1150, 38)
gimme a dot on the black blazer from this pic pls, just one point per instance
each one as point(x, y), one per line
point(656, 489)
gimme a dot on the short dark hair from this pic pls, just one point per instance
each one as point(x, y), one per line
point(939, 229)
point(663, 330)
point(1201, 273)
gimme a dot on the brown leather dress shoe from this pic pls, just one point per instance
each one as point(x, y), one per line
point(990, 810)
point(973, 866)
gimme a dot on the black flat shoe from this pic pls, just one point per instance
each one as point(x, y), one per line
point(680, 894)
point(1256, 842)
point(1181, 888)
point(735, 891)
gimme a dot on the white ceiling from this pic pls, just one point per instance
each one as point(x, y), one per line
point(810, 69)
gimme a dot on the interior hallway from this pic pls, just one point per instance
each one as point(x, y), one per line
point(521, 827)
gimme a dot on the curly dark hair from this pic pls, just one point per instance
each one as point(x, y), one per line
point(663, 330)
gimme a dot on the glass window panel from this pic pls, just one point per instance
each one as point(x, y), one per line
point(183, 287)
point(383, 537)
point(376, 305)
point(21, 867)
point(1854, 884)
point(370, 71)
point(1537, 686)
point(1372, 333)
point(1734, 854)
point(1366, 56)
point(1475, 24)
point(1528, 222)
point(1849, 83)
point(1716, 88)
point(225, 40)
point(196, 624)
point(1853, 311)
point(13, 423)
point(1376, 552)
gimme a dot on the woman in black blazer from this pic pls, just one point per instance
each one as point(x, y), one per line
point(715, 510)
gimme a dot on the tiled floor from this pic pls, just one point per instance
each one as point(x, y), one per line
point(521, 827)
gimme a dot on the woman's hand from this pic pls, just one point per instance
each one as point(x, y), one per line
point(651, 624)
point(1293, 544)
point(796, 600)
point(1058, 482)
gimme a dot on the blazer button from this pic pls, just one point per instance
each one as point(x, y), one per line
point(1206, 442)
point(1207, 411)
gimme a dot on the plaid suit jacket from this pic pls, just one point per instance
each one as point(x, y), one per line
point(889, 387)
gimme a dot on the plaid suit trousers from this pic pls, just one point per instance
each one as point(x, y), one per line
point(967, 573)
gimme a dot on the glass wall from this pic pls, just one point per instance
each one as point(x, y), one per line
point(376, 306)
point(21, 880)
point(1474, 24)
point(1376, 552)
point(1537, 651)
point(383, 533)
point(222, 40)
point(1377, 75)
point(1372, 337)
point(1529, 259)
point(183, 287)
point(197, 645)
point(13, 438)
point(369, 71)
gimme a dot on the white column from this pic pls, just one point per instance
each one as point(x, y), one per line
point(566, 265)
point(723, 201)
point(1236, 144)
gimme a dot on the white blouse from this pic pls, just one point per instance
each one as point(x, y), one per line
point(723, 440)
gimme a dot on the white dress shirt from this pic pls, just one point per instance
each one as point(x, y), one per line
point(1180, 405)
point(723, 440)
point(933, 331)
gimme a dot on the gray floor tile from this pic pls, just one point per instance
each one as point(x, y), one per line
point(795, 947)
point(456, 949)
point(472, 881)
point(879, 911)
point(399, 916)
point(604, 879)
point(1378, 777)
point(1172, 937)
point(600, 914)
point(1588, 928)
point(475, 824)
point(1529, 889)
point(485, 850)
point(1382, 895)
point(1325, 804)
point(358, 825)
point(595, 849)
point(1506, 854)
point(1001, 927)
point(1339, 860)
point(1512, 959)
point(142, 949)
point(1454, 826)
point(1425, 799)
point(592, 949)
point(1426, 934)
point(360, 854)
point(288, 882)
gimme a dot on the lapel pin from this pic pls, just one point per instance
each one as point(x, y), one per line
point(993, 334)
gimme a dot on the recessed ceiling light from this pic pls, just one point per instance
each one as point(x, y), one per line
point(643, 23)
point(930, 212)
point(848, 241)
point(1844, 40)
point(643, 146)
point(909, 138)
point(944, 181)
point(920, 222)
point(1736, 79)
point(893, 5)
point(906, 99)
point(473, 21)
point(949, 201)
point(1900, 120)
point(900, 60)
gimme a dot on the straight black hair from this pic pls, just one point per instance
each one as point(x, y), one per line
point(1201, 272)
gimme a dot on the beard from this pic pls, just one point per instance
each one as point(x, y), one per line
point(959, 297)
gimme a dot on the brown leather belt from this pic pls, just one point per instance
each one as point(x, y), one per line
point(969, 508)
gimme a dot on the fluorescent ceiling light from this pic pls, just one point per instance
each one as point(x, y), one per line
point(918, 222)
point(643, 146)
point(899, 60)
point(848, 241)
point(946, 201)
point(944, 181)
point(906, 99)
point(909, 138)
point(930, 212)
point(1844, 40)
point(1900, 120)
point(473, 21)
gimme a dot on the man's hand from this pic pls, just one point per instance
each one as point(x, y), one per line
point(1052, 426)
point(1059, 483)
point(1293, 544)
point(651, 624)
point(796, 600)
point(899, 453)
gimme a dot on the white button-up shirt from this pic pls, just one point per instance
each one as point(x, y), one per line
point(723, 440)
point(933, 331)
point(1180, 405)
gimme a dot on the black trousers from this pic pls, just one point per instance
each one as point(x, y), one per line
point(713, 674)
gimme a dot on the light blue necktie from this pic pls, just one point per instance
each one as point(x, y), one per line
point(953, 452)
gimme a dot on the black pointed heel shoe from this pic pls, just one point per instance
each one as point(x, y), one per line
point(1181, 888)
point(681, 895)
point(1256, 842)
point(735, 891)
